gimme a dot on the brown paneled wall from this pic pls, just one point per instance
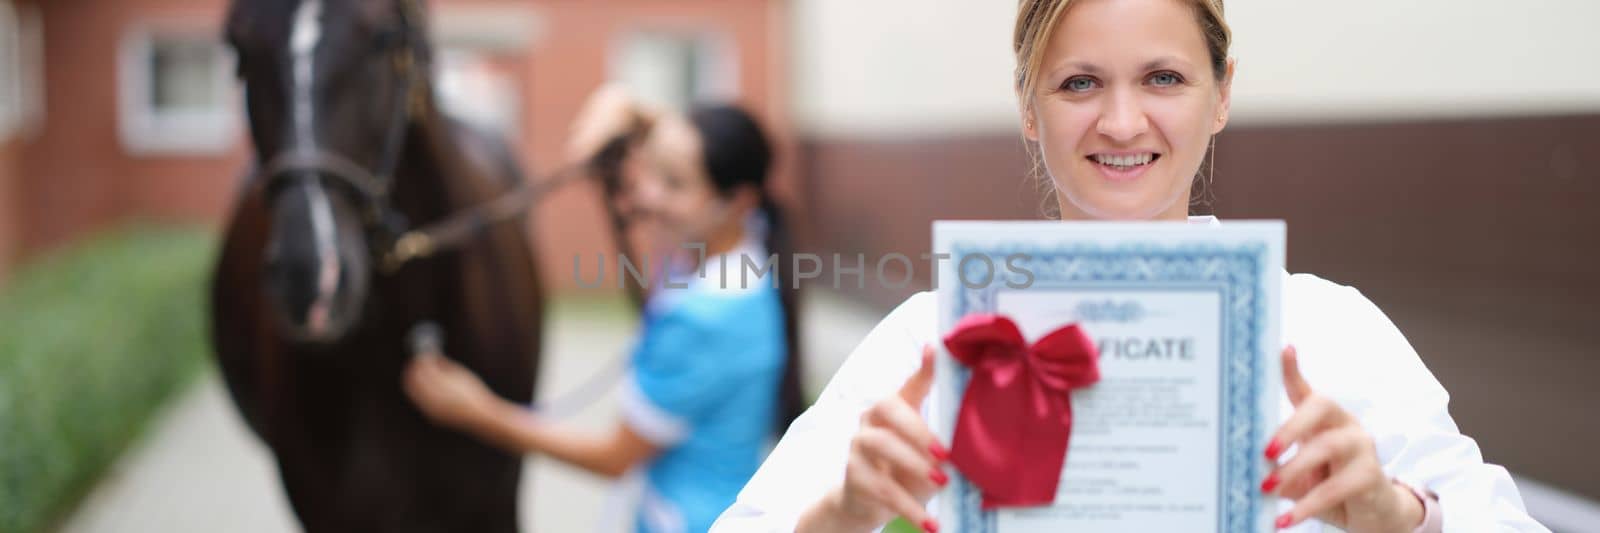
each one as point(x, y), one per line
point(1479, 238)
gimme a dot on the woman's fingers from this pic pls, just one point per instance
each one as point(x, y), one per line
point(916, 387)
point(868, 481)
point(906, 422)
point(1314, 413)
point(419, 373)
point(895, 458)
point(1318, 455)
point(1293, 382)
point(1344, 484)
point(904, 459)
point(1294, 490)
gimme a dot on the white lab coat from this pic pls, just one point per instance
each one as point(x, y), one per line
point(1348, 350)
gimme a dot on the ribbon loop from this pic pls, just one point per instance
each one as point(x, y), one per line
point(1016, 415)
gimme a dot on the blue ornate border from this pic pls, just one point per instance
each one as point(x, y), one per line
point(1236, 272)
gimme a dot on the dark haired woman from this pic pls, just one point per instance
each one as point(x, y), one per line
point(715, 371)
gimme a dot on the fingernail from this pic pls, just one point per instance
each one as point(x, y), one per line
point(938, 476)
point(1270, 483)
point(939, 453)
point(930, 526)
point(1273, 449)
point(1283, 521)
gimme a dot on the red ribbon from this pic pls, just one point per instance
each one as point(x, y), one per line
point(1016, 416)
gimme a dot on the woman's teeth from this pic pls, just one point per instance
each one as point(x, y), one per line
point(1124, 161)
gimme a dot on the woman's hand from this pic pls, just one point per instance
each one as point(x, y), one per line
point(894, 466)
point(448, 393)
point(1335, 476)
point(610, 112)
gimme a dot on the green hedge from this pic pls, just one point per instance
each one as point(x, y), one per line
point(93, 340)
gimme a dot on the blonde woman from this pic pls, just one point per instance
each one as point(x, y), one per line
point(1120, 99)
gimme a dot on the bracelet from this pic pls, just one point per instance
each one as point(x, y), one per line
point(1432, 519)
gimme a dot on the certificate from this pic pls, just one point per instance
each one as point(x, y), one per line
point(1185, 320)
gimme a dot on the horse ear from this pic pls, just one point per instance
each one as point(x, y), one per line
point(236, 24)
point(377, 13)
point(415, 13)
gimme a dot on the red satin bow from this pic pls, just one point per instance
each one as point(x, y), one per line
point(1016, 416)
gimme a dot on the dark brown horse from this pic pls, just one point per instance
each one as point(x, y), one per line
point(318, 284)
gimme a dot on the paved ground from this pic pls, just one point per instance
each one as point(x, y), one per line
point(200, 470)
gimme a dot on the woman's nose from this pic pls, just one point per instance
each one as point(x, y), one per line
point(1123, 117)
point(647, 194)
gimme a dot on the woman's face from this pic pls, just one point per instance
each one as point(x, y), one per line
point(671, 189)
point(1124, 108)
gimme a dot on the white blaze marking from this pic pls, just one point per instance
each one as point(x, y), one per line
point(303, 47)
point(307, 32)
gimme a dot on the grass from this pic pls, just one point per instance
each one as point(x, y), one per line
point(900, 525)
point(93, 340)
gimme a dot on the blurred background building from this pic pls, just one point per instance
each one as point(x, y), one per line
point(1441, 155)
point(144, 117)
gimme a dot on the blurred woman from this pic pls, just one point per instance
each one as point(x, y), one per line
point(715, 370)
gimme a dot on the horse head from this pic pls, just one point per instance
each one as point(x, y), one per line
point(331, 87)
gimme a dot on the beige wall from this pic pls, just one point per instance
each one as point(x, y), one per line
point(939, 67)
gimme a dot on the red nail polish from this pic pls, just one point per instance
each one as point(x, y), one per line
point(930, 526)
point(939, 477)
point(1274, 448)
point(1270, 483)
point(1283, 521)
point(939, 453)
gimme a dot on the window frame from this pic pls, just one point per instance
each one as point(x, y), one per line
point(717, 75)
point(11, 99)
point(147, 131)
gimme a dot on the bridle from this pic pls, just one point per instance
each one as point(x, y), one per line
point(393, 243)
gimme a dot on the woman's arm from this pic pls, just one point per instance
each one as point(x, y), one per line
point(451, 395)
point(608, 454)
point(1354, 354)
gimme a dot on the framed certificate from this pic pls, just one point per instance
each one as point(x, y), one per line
point(1185, 319)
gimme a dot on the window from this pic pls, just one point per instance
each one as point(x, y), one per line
point(676, 69)
point(30, 62)
point(177, 94)
point(10, 71)
point(479, 89)
point(480, 58)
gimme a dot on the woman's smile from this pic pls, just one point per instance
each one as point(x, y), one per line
point(1123, 166)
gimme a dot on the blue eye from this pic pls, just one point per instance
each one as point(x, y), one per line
point(1165, 79)
point(1078, 84)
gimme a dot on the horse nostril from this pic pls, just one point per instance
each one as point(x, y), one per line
point(292, 284)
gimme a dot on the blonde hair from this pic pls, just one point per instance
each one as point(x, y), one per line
point(1037, 20)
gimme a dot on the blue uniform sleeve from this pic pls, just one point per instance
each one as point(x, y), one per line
point(676, 379)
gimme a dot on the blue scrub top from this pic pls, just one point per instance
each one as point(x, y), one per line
point(704, 388)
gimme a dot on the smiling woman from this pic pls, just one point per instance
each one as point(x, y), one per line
point(1119, 101)
point(1121, 130)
